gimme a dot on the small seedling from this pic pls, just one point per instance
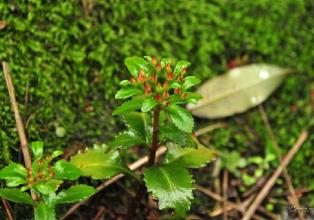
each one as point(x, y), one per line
point(43, 180)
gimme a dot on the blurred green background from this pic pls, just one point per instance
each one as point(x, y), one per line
point(66, 58)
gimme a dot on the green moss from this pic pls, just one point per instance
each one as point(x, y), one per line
point(68, 59)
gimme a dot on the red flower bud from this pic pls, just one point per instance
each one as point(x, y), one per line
point(153, 78)
point(184, 95)
point(183, 70)
point(167, 103)
point(158, 97)
point(180, 78)
point(168, 68)
point(166, 95)
point(165, 85)
point(159, 67)
point(147, 89)
point(170, 76)
point(177, 91)
point(154, 60)
point(132, 80)
point(141, 76)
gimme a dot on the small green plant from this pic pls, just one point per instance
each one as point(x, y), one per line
point(154, 116)
point(43, 180)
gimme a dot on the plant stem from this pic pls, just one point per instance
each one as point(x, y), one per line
point(151, 162)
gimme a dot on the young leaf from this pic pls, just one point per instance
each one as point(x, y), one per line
point(126, 140)
point(75, 194)
point(16, 195)
point(148, 104)
point(99, 164)
point(238, 90)
point(125, 83)
point(172, 185)
point(14, 174)
point(181, 64)
point(172, 133)
point(128, 107)
point(181, 118)
point(44, 212)
point(127, 92)
point(189, 157)
point(139, 123)
point(190, 81)
point(38, 149)
point(44, 188)
point(134, 64)
point(66, 170)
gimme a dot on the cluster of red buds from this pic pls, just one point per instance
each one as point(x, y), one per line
point(41, 175)
point(157, 83)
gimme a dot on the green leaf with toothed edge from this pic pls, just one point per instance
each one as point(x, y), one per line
point(14, 174)
point(189, 157)
point(38, 149)
point(127, 93)
point(75, 194)
point(172, 185)
point(98, 164)
point(15, 195)
point(135, 64)
point(181, 64)
point(181, 118)
point(126, 140)
point(170, 132)
point(65, 170)
point(148, 104)
point(190, 81)
point(128, 106)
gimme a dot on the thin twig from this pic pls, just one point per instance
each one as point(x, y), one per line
point(269, 184)
point(295, 200)
point(210, 128)
point(7, 209)
point(225, 194)
point(18, 120)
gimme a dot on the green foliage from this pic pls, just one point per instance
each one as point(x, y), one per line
point(99, 164)
point(44, 211)
point(75, 193)
point(181, 118)
point(16, 195)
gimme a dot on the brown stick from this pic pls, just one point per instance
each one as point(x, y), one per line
point(225, 194)
point(7, 209)
point(18, 120)
point(295, 200)
point(269, 184)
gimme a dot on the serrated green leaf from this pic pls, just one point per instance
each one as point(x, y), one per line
point(193, 97)
point(172, 133)
point(172, 185)
point(56, 153)
point(16, 195)
point(75, 194)
point(37, 148)
point(44, 188)
point(181, 118)
point(190, 81)
point(125, 83)
point(181, 64)
point(126, 140)
point(66, 170)
point(99, 164)
point(128, 107)
point(127, 92)
point(189, 157)
point(44, 212)
point(148, 104)
point(134, 64)
point(14, 174)
point(174, 85)
point(139, 123)
point(238, 90)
